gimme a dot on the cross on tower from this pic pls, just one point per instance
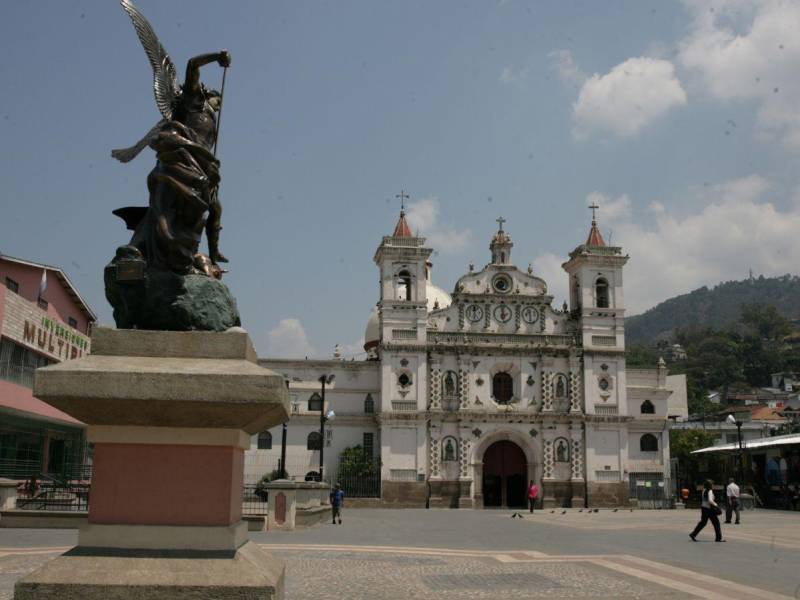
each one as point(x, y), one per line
point(594, 207)
point(500, 221)
point(403, 197)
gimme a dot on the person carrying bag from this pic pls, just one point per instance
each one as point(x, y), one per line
point(709, 510)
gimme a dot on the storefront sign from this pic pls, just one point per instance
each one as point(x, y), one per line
point(28, 325)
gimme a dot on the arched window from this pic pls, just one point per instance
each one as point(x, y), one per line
point(404, 285)
point(601, 292)
point(265, 440)
point(312, 476)
point(449, 384)
point(502, 388)
point(648, 443)
point(647, 408)
point(314, 441)
point(369, 404)
point(315, 402)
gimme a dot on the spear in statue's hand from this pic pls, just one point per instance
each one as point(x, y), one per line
point(224, 62)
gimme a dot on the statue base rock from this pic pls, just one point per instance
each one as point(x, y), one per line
point(149, 298)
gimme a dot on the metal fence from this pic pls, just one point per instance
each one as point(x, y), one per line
point(365, 484)
point(651, 490)
point(48, 495)
point(254, 501)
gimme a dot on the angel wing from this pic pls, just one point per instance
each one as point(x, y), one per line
point(165, 78)
point(128, 154)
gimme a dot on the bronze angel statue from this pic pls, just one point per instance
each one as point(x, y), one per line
point(184, 184)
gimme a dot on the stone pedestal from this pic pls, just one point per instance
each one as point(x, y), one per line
point(294, 504)
point(170, 415)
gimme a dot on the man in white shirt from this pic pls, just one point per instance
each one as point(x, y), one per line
point(733, 501)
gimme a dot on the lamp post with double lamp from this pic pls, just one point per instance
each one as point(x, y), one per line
point(324, 380)
point(734, 421)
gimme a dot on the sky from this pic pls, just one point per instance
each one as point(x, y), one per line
point(680, 119)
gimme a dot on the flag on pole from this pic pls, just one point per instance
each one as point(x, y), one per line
point(43, 283)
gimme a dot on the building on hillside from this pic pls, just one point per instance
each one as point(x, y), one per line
point(467, 397)
point(758, 421)
point(43, 320)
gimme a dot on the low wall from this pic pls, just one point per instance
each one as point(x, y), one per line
point(404, 494)
point(311, 516)
point(42, 519)
point(609, 494)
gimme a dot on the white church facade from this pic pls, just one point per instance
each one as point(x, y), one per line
point(465, 398)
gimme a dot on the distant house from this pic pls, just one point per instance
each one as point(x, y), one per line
point(43, 320)
point(758, 421)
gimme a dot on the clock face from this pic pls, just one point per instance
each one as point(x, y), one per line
point(502, 284)
point(530, 314)
point(474, 313)
point(502, 313)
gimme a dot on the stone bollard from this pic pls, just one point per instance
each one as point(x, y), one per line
point(170, 415)
point(8, 494)
point(294, 504)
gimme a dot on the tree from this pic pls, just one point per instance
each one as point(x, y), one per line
point(765, 321)
point(354, 461)
point(640, 356)
point(682, 442)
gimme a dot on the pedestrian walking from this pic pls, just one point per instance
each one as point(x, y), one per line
point(708, 511)
point(732, 492)
point(533, 494)
point(337, 500)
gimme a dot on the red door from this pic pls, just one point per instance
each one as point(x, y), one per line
point(504, 475)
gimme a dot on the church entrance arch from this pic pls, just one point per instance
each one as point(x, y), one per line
point(505, 471)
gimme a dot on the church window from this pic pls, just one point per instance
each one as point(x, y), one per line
point(404, 380)
point(648, 443)
point(265, 440)
point(449, 449)
point(647, 408)
point(604, 384)
point(404, 285)
point(562, 450)
point(369, 404)
point(369, 445)
point(314, 441)
point(449, 384)
point(315, 402)
point(601, 291)
point(502, 388)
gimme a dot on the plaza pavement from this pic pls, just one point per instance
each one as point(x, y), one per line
point(385, 553)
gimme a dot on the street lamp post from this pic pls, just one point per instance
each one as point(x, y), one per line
point(284, 473)
point(324, 379)
point(734, 421)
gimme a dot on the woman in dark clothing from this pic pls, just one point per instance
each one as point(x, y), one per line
point(708, 511)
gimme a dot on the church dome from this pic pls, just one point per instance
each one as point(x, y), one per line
point(437, 297)
point(372, 334)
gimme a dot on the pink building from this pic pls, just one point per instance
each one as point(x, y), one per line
point(43, 320)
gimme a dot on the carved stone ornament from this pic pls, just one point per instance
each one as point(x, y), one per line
point(477, 432)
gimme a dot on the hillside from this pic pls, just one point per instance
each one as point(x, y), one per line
point(718, 307)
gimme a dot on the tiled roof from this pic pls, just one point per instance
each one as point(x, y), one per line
point(402, 229)
point(595, 238)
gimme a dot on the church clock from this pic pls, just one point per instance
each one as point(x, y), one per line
point(530, 314)
point(502, 313)
point(474, 313)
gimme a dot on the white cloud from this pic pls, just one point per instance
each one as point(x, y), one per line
point(629, 97)
point(749, 51)
point(288, 340)
point(611, 209)
point(423, 216)
point(354, 349)
point(511, 75)
point(568, 71)
point(733, 230)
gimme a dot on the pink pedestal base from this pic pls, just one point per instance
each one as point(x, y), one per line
point(163, 484)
